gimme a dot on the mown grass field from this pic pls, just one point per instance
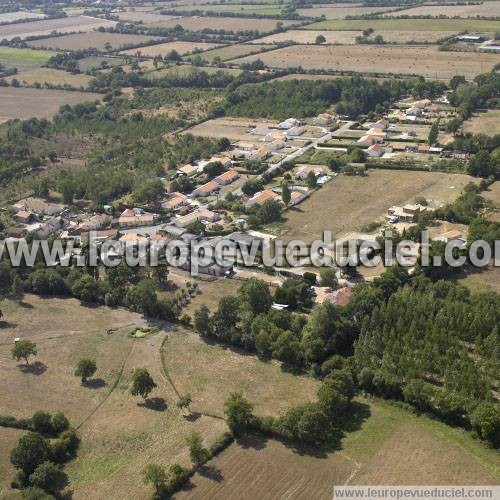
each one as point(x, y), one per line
point(347, 203)
point(485, 9)
point(52, 77)
point(23, 59)
point(484, 123)
point(163, 49)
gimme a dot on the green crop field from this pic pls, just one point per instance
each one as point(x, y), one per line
point(24, 59)
point(408, 25)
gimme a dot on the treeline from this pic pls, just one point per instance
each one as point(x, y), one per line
point(301, 98)
point(429, 344)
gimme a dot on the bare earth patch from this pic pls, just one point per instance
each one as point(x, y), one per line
point(267, 469)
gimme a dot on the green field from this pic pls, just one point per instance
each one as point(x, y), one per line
point(94, 62)
point(408, 25)
point(24, 59)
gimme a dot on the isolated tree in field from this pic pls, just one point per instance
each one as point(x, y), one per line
point(184, 401)
point(85, 368)
point(202, 320)
point(286, 196)
point(155, 474)
point(17, 288)
point(31, 450)
point(23, 349)
point(197, 452)
point(320, 39)
point(238, 413)
point(142, 383)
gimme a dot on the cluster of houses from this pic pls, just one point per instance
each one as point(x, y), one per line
point(377, 144)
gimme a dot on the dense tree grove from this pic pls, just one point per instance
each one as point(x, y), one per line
point(302, 98)
point(428, 343)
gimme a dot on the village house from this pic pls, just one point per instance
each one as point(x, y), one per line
point(227, 177)
point(136, 217)
point(99, 236)
point(276, 145)
point(203, 215)
point(262, 196)
point(295, 132)
point(376, 131)
point(368, 140)
point(175, 201)
point(244, 146)
point(289, 123)
point(301, 172)
point(242, 239)
point(205, 190)
point(261, 154)
point(297, 196)
point(189, 170)
point(403, 147)
point(407, 213)
point(48, 227)
point(94, 223)
point(453, 235)
point(38, 206)
point(274, 136)
point(261, 130)
point(381, 124)
point(375, 150)
point(225, 161)
point(323, 119)
point(24, 217)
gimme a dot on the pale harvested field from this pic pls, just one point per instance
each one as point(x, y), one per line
point(309, 36)
point(431, 24)
point(235, 129)
point(219, 371)
point(234, 51)
point(163, 49)
point(395, 36)
point(421, 60)
point(26, 103)
point(484, 123)
point(40, 103)
point(223, 23)
point(144, 17)
point(45, 27)
point(12, 17)
point(52, 77)
point(348, 203)
point(486, 9)
point(96, 40)
point(267, 469)
point(340, 12)
point(484, 280)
